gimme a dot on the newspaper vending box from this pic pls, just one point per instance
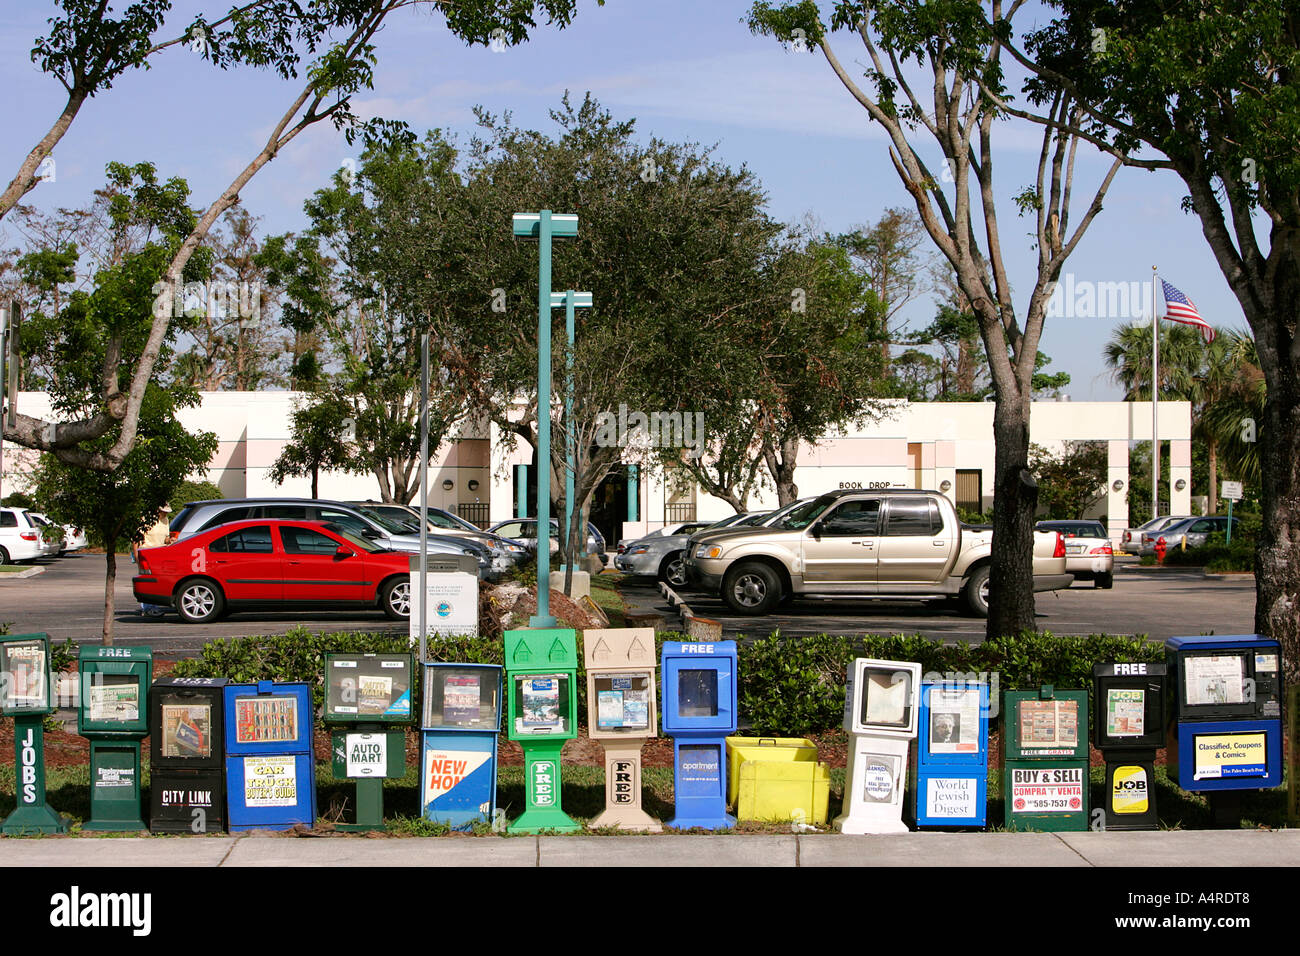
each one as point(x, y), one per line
point(542, 710)
point(880, 712)
point(270, 767)
point(114, 717)
point(951, 767)
point(1128, 729)
point(458, 745)
point(25, 685)
point(187, 755)
point(1045, 747)
point(699, 713)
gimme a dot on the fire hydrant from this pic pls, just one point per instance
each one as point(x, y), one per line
point(1161, 548)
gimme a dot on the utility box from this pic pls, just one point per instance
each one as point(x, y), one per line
point(187, 755)
point(270, 767)
point(542, 710)
point(366, 695)
point(1128, 728)
point(951, 767)
point(621, 714)
point(1225, 729)
point(25, 696)
point(460, 724)
point(1045, 748)
point(700, 688)
point(880, 711)
point(777, 779)
point(114, 716)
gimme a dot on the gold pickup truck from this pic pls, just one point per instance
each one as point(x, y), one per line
point(889, 544)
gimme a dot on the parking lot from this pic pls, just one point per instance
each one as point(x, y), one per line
point(67, 601)
point(1158, 602)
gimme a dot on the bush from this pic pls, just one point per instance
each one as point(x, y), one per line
point(194, 491)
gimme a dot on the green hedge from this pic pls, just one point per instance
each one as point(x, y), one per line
point(789, 686)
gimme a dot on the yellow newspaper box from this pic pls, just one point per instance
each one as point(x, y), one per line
point(777, 778)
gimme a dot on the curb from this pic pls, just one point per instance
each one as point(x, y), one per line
point(19, 575)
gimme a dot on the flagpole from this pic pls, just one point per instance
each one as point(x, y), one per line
point(1155, 401)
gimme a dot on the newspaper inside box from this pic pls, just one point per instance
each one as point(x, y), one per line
point(541, 704)
point(462, 698)
point(363, 688)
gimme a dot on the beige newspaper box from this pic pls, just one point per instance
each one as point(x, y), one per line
point(621, 714)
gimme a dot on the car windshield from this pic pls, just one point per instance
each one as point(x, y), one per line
point(803, 515)
point(751, 520)
point(1074, 529)
point(388, 524)
point(355, 540)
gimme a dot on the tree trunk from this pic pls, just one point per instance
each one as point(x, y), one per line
point(1011, 575)
point(110, 582)
point(781, 467)
point(314, 475)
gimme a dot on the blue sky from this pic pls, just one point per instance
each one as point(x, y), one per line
point(686, 71)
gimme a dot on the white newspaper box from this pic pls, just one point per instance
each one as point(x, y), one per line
point(451, 593)
point(880, 707)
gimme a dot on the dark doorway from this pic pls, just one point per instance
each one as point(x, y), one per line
point(609, 505)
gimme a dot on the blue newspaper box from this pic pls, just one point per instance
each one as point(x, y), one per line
point(458, 743)
point(1225, 728)
point(270, 767)
point(699, 712)
point(951, 767)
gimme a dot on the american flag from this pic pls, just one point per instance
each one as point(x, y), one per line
point(1179, 308)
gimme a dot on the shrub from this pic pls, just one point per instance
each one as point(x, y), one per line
point(194, 491)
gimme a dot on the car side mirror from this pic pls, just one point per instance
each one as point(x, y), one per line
point(343, 552)
point(370, 533)
point(816, 531)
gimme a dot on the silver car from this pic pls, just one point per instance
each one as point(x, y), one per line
point(1193, 532)
point(196, 516)
point(447, 525)
point(1132, 543)
point(1089, 555)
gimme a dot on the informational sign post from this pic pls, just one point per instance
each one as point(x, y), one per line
point(270, 767)
point(880, 711)
point(366, 696)
point(1045, 746)
point(451, 594)
point(114, 716)
point(1226, 732)
point(25, 696)
point(541, 713)
point(1128, 728)
point(621, 715)
point(700, 691)
point(950, 770)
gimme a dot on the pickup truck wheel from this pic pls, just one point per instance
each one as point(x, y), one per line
point(751, 589)
point(1106, 580)
point(976, 591)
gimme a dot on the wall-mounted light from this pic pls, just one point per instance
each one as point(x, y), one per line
point(945, 485)
point(473, 484)
point(1180, 484)
point(448, 485)
point(1117, 484)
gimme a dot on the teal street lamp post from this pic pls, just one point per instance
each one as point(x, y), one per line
point(543, 226)
point(571, 301)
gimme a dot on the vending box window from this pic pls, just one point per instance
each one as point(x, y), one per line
point(114, 717)
point(699, 712)
point(187, 755)
point(270, 767)
point(1045, 745)
point(25, 695)
point(950, 770)
point(880, 711)
point(458, 745)
point(1225, 728)
point(621, 715)
point(541, 714)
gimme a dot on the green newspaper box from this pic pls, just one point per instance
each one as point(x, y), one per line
point(1045, 746)
point(114, 717)
point(25, 696)
point(541, 714)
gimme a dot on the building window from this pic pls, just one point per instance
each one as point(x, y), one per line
point(970, 490)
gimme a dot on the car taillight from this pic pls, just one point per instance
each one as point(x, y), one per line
point(143, 563)
point(1104, 549)
point(1127, 537)
point(1059, 551)
point(27, 535)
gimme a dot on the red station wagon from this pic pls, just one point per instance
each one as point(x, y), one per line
point(273, 565)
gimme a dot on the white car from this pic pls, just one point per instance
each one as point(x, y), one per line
point(20, 537)
point(1089, 555)
point(52, 535)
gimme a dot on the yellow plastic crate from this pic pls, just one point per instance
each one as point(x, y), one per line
point(776, 778)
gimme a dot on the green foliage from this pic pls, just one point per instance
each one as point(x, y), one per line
point(194, 491)
point(1070, 482)
point(17, 499)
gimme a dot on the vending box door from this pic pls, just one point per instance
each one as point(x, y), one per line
point(368, 688)
point(274, 791)
point(193, 802)
point(25, 663)
point(621, 704)
point(268, 718)
point(187, 723)
point(953, 726)
point(881, 697)
point(543, 705)
point(1045, 725)
point(114, 690)
point(1217, 678)
point(1130, 702)
point(465, 697)
point(1228, 754)
point(699, 687)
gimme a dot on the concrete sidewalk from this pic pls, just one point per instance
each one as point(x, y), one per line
point(1170, 848)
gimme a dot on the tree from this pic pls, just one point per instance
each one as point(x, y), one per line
point(960, 46)
point(322, 431)
point(346, 68)
point(1209, 86)
point(1071, 482)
